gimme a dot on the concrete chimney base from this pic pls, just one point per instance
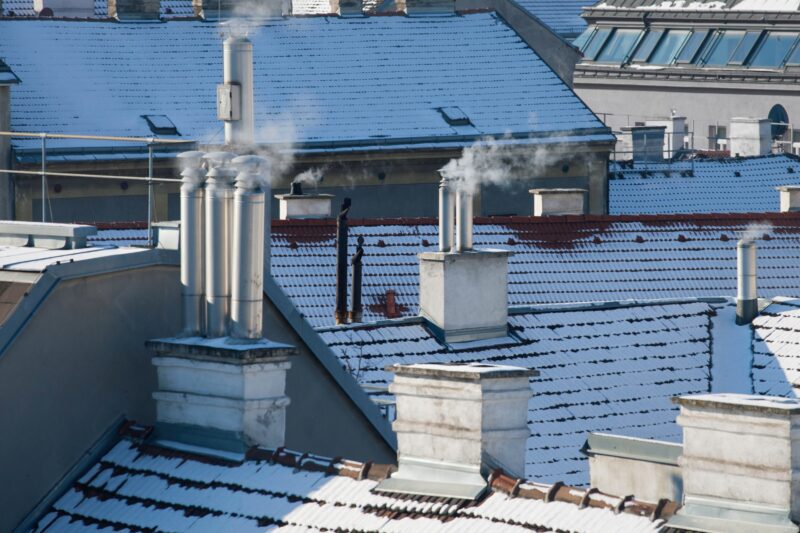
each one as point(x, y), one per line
point(220, 395)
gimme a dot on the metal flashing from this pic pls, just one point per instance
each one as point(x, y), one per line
point(708, 515)
point(213, 442)
point(651, 451)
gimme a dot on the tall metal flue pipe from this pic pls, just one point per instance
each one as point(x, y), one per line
point(237, 54)
point(192, 242)
point(447, 209)
point(463, 221)
point(247, 269)
point(219, 222)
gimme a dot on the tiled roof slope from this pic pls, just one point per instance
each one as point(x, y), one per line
point(776, 349)
point(562, 16)
point(315, 83)
point(745, 185)
point(144, 488)
point(556, 259)
point(607, 370)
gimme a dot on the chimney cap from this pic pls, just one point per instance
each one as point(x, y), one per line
point(461, 371)
point(788, 188)
point(557, 191)
point(742, 402)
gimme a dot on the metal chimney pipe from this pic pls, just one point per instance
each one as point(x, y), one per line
point(219, 212)
point(340, 313)
point(191, 245)
point(356, 312)
point(746, 299)
point(463, 221)
point(237, 54)
point(247, 259)
point(447, 208)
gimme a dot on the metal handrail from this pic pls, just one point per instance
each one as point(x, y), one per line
point(141, 140)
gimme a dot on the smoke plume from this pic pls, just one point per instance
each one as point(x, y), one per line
point(756, 231)
point(311, 177)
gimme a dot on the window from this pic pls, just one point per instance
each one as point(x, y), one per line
point(717, 137)
point(692, 46)
point(773, 50)
point(647, 45)
point(596, 43)
point(619, 46)
point(745, 47)
point(583, 38)
point(669, 47)
point(726, 44)
point(794, 58)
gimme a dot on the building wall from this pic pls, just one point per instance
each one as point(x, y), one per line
point(75, 367)
point(703, 104)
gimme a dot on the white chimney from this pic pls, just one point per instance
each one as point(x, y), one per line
point(235, 95)
point(447, 210)
point(192, 242)
point(740, 463)
point(218, 229)
point(750, 136)
point(643, 143)
point(674, 134)
point(747, 297)
point(455, 424)
point(247, 269)
point(790, 198)
point(300, 205)
point(455, 283)
point(551, 202)
point(66, 8)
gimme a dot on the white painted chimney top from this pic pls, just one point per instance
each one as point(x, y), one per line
point(790, 198)
point(550, 202)
point(750, 136)
point(455, 423)
point(740, 463)
point(299, 205)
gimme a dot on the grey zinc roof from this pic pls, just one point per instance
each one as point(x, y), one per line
point(776, 349)
point(562, 16)
point(143, 487)
point(609, 370)
point(731, 185)
point(329, 82)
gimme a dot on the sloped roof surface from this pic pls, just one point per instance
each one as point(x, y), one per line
point(556, 259)
point(607, 370)
point(714, 186)
point(776, 349)
point(351, 81)
point(703, 5)
point(169, 8)
point(562, 16)
point(142, 487)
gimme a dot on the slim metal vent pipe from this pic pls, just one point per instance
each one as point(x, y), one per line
point(746, 299)
point(219, 200)
point(447, 208)
point(191, 246)
point(237, 53)
point(463, 221)
point(356, 311)
point(340, 314)
point(247, 265)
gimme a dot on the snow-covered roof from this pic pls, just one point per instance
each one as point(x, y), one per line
point(142, 487)
point(611, 370)
point(731, 185)
point(702, 5)
point(776, 349)
point(555, 260)
point(169, 9)
point(562, 16)
point(29, 259)
point(322, 82)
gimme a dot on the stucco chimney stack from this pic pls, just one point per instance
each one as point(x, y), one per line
point(552, 202)
point(455, 424)
point(790, 198)
point(300, 205)
point(750, 136)
point(192, 242)
point(747, 298)
point(131, 9)
point(740, 463)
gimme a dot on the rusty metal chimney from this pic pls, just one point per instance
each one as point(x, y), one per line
point(235, 95)
point(463, 221)
point(447, 206)
point(747, 298)
point(192, 242)
point(341, 263)
point(356, 309)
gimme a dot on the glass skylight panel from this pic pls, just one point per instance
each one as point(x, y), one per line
point(692, 46)
point(724, 48)
point(647, 45)
point(774, 49)
point(745, 47)
point(619, 46)
point(596, 43)
point(583, 38)
point(669, 47)
point(794, 59)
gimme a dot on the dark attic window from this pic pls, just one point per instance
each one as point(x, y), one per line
point(454, 116)
point(161, 125)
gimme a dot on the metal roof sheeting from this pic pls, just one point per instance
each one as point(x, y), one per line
point(562, 16)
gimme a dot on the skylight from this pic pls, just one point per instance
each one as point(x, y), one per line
point(647, 45)
point(596, 43)
point(774, 49)
point(669, 47)
point(692, 47)
point(619, 46)
point(725, 45)
point(161, 125)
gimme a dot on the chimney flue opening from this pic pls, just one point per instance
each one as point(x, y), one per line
point(296, 189)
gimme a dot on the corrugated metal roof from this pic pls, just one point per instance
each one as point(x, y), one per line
point(562, 16)
point(323, 82)
point(731, 185)
point(603, 370)
point(138, 487)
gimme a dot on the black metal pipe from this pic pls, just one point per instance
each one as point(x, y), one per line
point(340, 314)
point(356, 312)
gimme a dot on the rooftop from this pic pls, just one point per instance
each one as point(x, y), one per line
point(702, 5)
point(562, 16)
point(315, 85)
point(730, 185)
point(139, 486)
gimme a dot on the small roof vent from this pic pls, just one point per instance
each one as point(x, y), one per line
point(161, 125)
point(454, 116)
